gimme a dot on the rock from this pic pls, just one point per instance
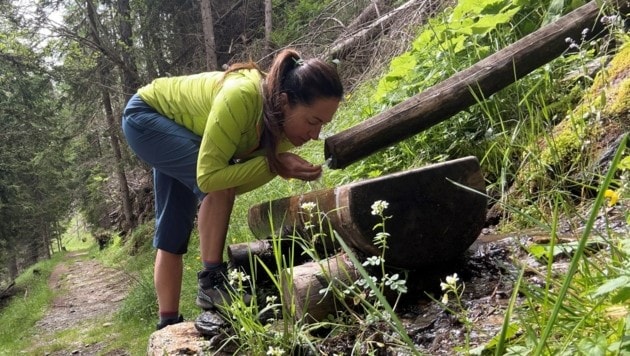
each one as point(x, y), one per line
point(178, 339)
point(209, 334)
point(211, 324)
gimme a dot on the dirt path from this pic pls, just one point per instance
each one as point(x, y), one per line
point(87, 292)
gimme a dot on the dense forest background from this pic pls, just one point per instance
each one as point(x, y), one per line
point(68, 69)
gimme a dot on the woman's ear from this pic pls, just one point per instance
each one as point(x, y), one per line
point(284, 101)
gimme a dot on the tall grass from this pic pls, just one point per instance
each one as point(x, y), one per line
point(584, 310)
point(19, 317)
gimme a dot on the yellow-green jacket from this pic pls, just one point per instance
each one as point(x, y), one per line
point(226, 111)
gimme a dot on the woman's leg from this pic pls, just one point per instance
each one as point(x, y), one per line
point(167, 276)
point(172, 150)
point(213, 220)
point(175, 210)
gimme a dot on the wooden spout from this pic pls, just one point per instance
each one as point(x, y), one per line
point(436, 212)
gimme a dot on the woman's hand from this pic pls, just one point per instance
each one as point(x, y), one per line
point(297, 167)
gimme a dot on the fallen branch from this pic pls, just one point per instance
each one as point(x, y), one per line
point(8, 291)
point(340, 48)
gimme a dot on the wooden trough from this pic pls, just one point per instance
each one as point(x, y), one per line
point(436, 212)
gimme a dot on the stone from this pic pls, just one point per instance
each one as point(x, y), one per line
point(178, 339)
point(211, 324)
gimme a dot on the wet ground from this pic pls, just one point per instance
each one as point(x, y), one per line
point(488, 271)
point(487, 275)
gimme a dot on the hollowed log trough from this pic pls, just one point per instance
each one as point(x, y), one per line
point(436, 212)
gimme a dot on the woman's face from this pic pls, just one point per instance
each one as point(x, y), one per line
point(304, 122)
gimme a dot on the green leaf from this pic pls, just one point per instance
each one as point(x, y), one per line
point(538, 251)
point(593, 346)
point(511, 332)
point(402, 65)
point(622, 295)
point(625, 163)
point(489, 23)
point(612, 285)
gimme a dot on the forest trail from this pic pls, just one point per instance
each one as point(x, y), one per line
point(86, 293)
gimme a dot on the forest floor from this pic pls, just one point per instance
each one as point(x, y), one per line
point(87, 293)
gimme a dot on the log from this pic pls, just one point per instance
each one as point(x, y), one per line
point(302, 285)
point(254, 257)
point(342, 46)
point(436, 212)
point(247, 255)
point(7, 291)
point(463, 89)
point(371, 12)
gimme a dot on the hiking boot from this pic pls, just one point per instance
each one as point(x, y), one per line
point(165, 323)
point(215, 290)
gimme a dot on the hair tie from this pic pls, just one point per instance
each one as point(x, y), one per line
point(298, 62)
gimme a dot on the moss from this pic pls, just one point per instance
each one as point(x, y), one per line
point(609, 97)
point(615, 83)
point(622, 99)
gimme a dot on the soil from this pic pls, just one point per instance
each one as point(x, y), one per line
point(87, 293)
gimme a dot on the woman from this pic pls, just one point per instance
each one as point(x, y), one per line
point(214, 135)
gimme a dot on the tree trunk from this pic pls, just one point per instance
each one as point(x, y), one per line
point(103, 76)
point(208, 35)
point(268, 26)
point(125, 197)
point(129, 69)
point(46, 243)
point(12, 265)
point(463, 89)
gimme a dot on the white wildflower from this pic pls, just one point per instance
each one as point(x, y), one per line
point(396, 284)
point(609, 20)
point(372, 261)
point(381, 237)
point(308, 206)
point(379, 206)
point(452, 280)
point(236, 276)
point(275, 351)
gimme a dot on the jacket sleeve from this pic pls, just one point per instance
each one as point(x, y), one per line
point(235, 110)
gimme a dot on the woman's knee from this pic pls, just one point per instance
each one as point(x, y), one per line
point(224, 195)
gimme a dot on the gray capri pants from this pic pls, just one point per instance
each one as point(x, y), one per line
point(172, 151)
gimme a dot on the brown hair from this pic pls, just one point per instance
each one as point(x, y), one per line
point(303, 81)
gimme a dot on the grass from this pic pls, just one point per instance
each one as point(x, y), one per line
point(77, 236)
point(27, 307)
